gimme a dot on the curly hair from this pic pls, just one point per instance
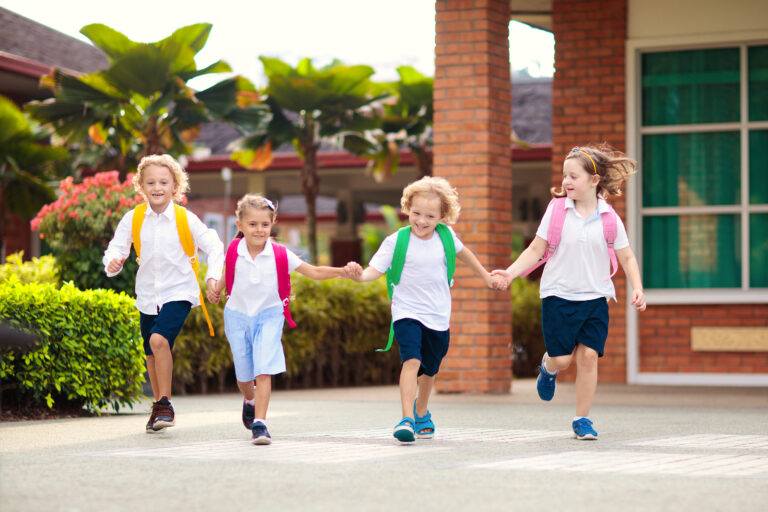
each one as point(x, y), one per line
point(177, 171)
point(613, 167)
point(256, 202)
point(449, 197)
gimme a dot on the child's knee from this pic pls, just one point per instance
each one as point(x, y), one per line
point(158, 342)
point(559, 363)
point(411, 365)
point(587, 358)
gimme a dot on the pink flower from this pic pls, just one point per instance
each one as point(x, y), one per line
point(74, 215)
point(61, 216)
point(109, 212)
point(91, 196)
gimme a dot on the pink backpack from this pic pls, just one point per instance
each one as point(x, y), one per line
point(283, 277)
point(555, 231)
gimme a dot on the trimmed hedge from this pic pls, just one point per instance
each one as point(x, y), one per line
point(90, 350)
point(39, 270)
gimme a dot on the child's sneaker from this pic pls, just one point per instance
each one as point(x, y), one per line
point(545, 384)
point(151, 423)
point(260, 433)
point(164, 415)
point(583, 429)
point(404, 431)
point(249, 413)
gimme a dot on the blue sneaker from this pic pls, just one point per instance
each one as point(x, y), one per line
point(583, 429)
point(260, 433)
point(249, 413)
point(545, 384)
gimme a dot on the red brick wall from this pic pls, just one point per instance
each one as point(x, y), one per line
point(665, 339)
point(588, 105)
point(472, 140)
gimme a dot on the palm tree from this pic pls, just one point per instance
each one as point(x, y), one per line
point(142, 104)
point(27, 164)
point(309, 106)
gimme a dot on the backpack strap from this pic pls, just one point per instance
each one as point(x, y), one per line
point(450, 250)
point(283, 280)
point(138, 220)
point(229, 264)
point(188, 244)
point(610, 230)
point(554, 232)
point(393, 274)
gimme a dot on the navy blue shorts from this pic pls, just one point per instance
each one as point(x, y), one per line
point(167, 323)
point(419, 342)
point(568, 322)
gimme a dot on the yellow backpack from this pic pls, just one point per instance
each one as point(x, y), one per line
point(185, 236)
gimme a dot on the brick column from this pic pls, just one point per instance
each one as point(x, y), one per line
point(472, 150)
point(588, 105)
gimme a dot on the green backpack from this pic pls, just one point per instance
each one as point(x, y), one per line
point(398, 261)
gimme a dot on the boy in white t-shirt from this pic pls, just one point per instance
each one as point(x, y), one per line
point(421, 302)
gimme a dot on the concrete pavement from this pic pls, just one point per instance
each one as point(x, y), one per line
point(660, 448)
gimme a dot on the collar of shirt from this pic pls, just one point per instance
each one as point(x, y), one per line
point(169, 212)
point(242, 250)
point(602, 207)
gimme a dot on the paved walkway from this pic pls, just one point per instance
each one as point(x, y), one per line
point(660, 449)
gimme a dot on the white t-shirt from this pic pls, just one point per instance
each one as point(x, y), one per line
point(255, 286)
point(423, 293)
point(580, 269)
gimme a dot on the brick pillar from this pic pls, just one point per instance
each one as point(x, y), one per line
point(588, 105)
point(472, 150)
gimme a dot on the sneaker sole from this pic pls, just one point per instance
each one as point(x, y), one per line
point(585, 437)
point(425, 436)
point(262, 441)
point(164, 424)
point(154, 430)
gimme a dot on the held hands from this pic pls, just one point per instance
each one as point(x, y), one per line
point(638, 300)
point(211, 291)
point(115, 265)
point(501, 279)
point(352, 270)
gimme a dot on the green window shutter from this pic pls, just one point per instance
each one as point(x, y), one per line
point(757, 69)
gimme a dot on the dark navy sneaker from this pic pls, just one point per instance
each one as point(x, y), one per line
point(583, 429)
point(260, 433)
point(249, 413)
point(164, 414)
point(545, 384)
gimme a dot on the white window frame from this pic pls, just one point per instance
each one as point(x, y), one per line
point(744, 295)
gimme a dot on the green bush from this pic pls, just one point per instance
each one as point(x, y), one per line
point(527, 339)
point(339, 325)
point(39, 270)
point(89, 352)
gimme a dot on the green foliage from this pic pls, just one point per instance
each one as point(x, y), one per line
point(528, 341)
point(39, 270)
point(79, 225)
point(89, 351)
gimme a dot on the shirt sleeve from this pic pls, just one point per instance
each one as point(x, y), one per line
point(207, 240)
point(120, 245)
point(456, 242)
point(622, 240)
point(543, 230)
point(294, 261)
point(382, 260)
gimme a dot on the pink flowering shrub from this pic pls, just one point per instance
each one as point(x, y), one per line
point(79, 225)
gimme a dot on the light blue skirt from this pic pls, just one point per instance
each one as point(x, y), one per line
point(256, 342)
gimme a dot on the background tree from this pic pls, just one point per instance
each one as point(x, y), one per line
point(27, 164)
point(142, 103)
point(309, 106)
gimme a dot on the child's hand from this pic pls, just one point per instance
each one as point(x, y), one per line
point(638, 300)
point(210, 291)
point(502, 279)
point(352, 270)
point(115, 265)
point(499, 283)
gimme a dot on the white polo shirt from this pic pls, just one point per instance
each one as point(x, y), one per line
point(423, 293)
point(165, 273)
point(580, 269)
point(255, 286)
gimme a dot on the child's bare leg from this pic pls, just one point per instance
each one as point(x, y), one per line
point(161, 350)
point(152, 373)
point(246, 388)
point(555, 364)
point(586, 379)
point(263, 392)
point(426, 383)
point(408, 384)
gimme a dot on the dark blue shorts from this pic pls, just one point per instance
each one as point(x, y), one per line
point(422, 343)
point(167, 323)
point(567, 322)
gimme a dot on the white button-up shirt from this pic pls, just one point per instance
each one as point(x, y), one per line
point(165, 273)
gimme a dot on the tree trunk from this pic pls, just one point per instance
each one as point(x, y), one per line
point(310, 186)
point(423, 160)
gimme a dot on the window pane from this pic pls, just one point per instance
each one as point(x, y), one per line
point(691, 251)
point(686, 87)
point(758, 250)
point(758, 167)
point(691, 169)
point(757, 57)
